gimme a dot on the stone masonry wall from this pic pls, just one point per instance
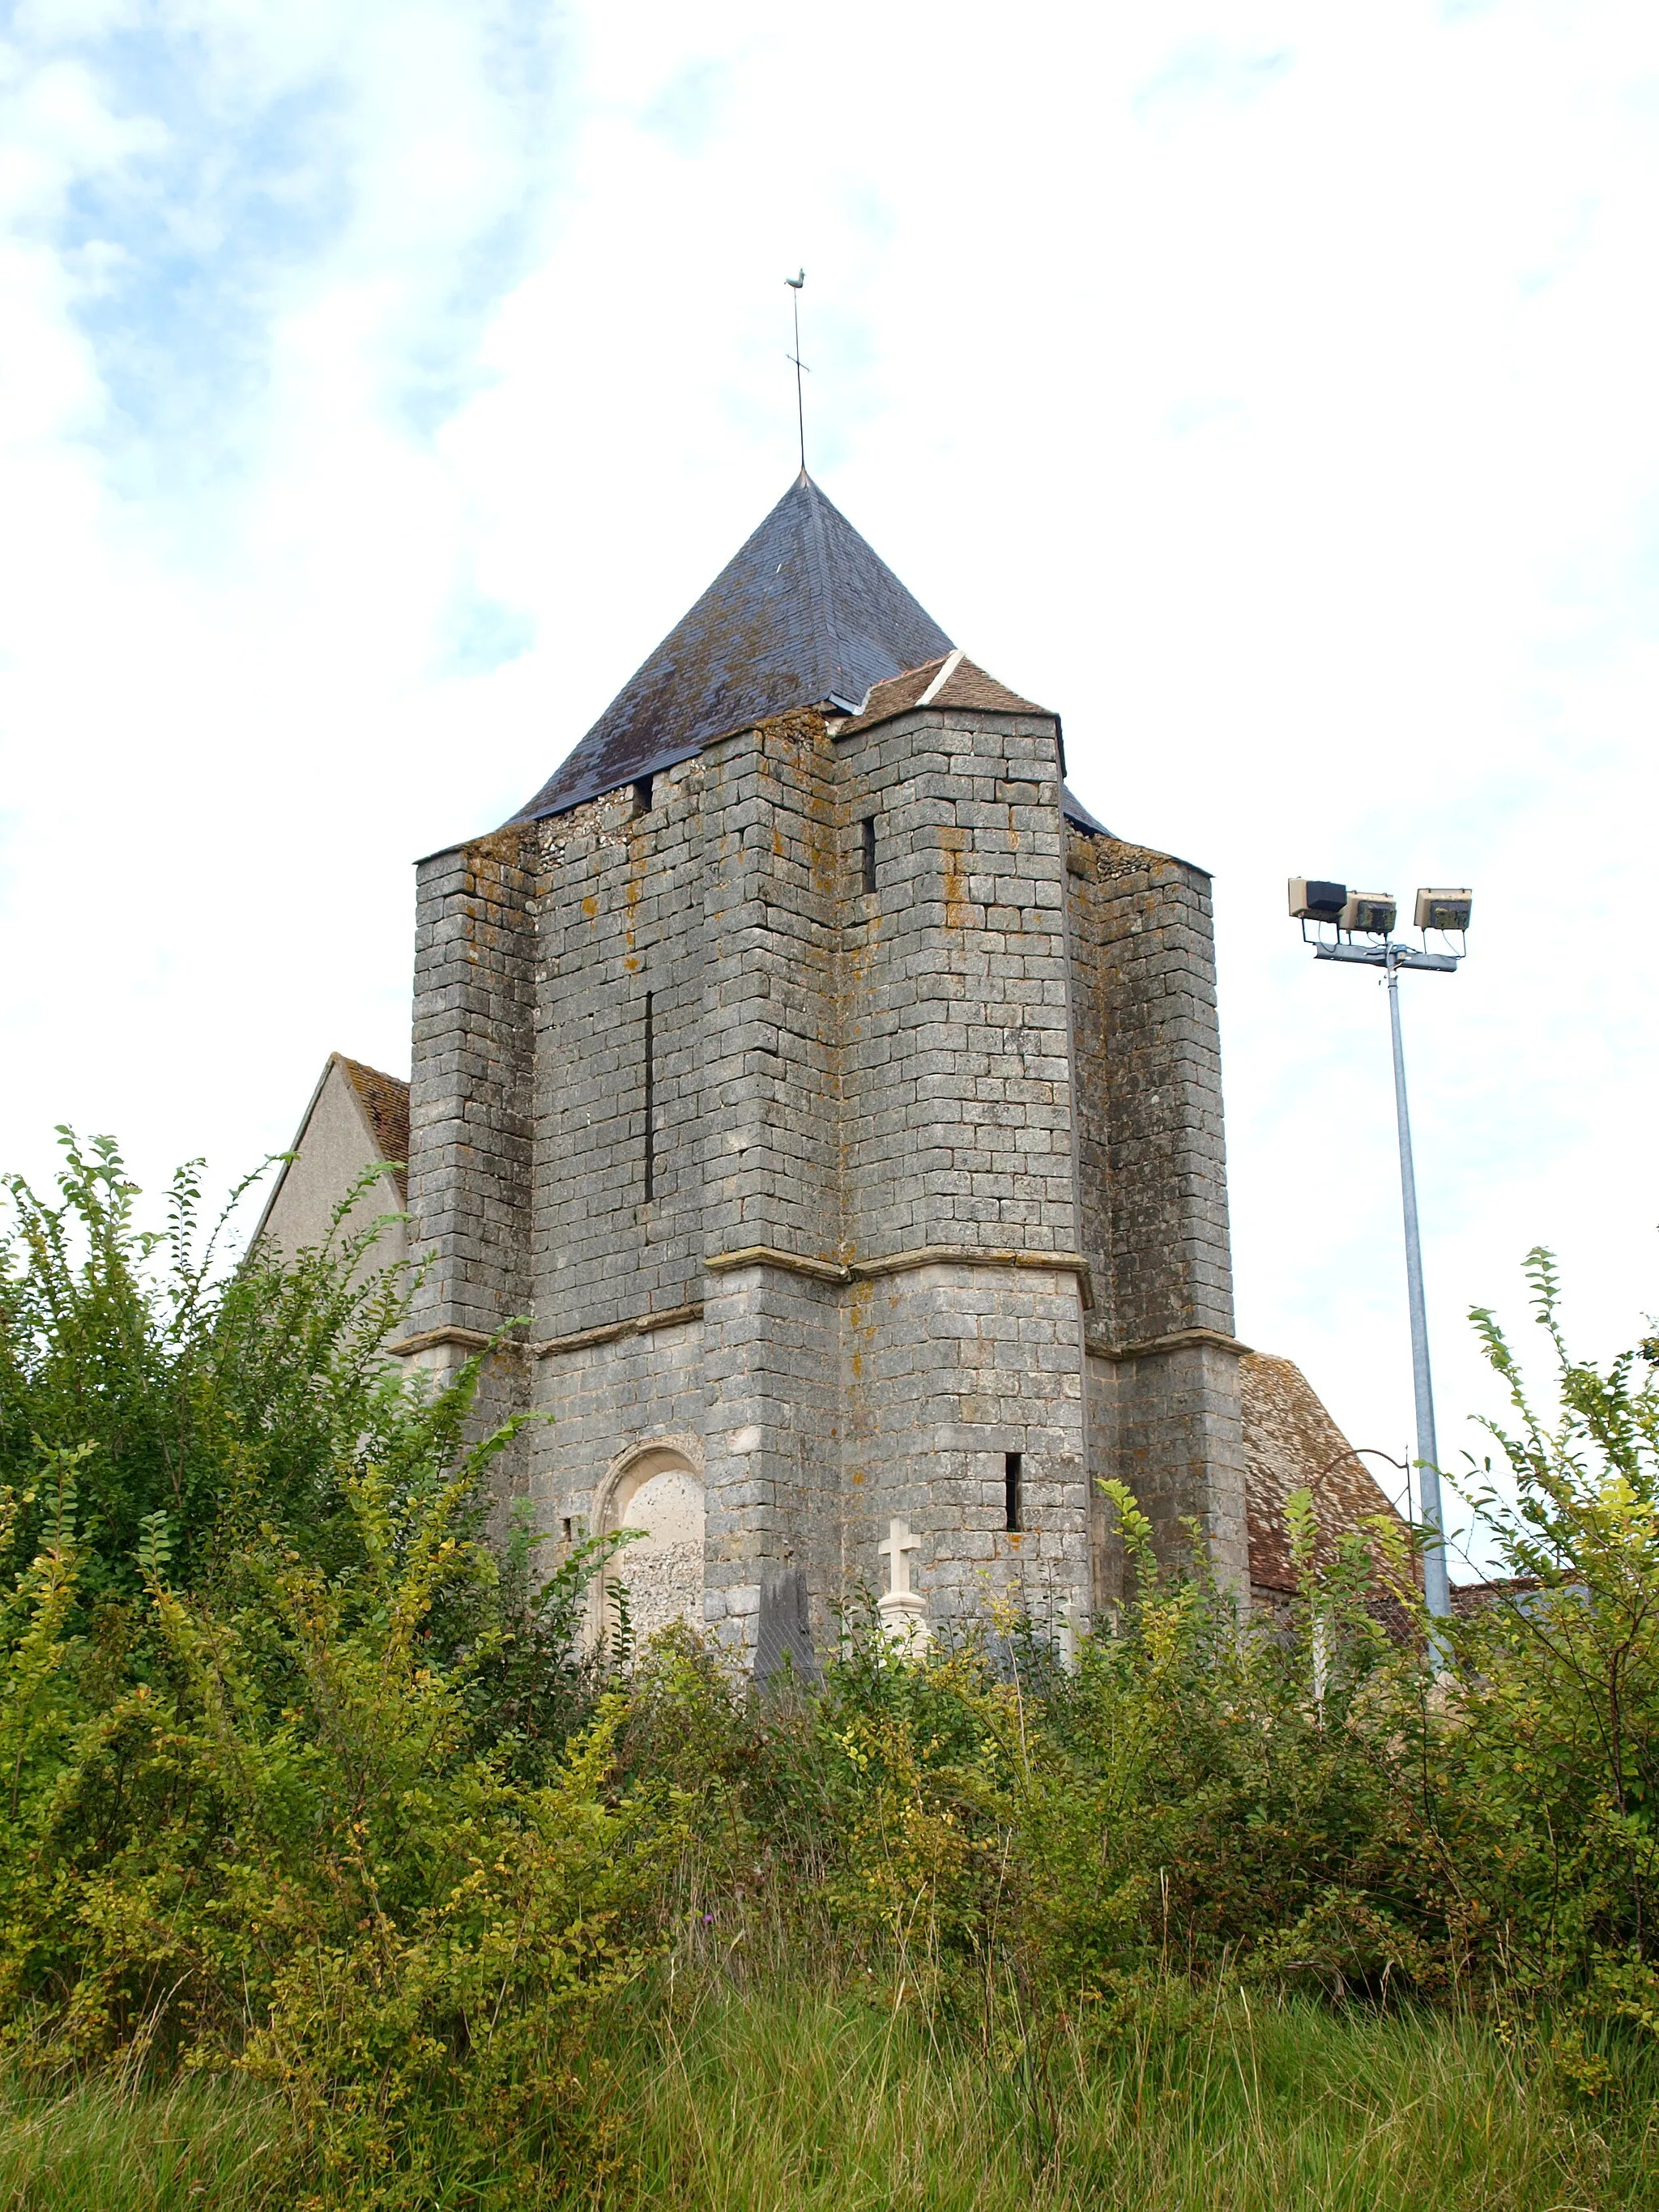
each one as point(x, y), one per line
point(605, 1398)
point(772, 1178)
point(1155, 1179)
point(950, 1368)
point(1170, 1424)
point(773, 1477)
point(619, 912)
point(958, 1138)
point(470, 1108)
point(1165, 1406)
point(957, 1108)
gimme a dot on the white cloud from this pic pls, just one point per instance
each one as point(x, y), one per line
point(1266, 385)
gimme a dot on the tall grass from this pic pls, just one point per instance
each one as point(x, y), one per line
point(780, 2095)
point(747, 2102)
point(197, 2144)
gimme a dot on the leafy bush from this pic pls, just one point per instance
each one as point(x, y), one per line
point(1306, 1799)
point(273, 1803)
point(307, 1787)
point(223, 1399)
point(1555, 1768)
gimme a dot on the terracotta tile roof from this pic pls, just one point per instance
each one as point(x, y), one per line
point(966, 685)
point(385, 1101)
point(1290, 1443)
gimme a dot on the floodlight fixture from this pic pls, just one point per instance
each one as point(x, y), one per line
point(1443, 909)
point(1374, 915)
point(1369, 913)
point(1311, 900)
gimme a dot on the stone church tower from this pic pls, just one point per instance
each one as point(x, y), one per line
point(829, 1110)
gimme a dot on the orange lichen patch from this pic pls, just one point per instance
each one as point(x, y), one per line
point(385, 1101)
point(638, 861)
point(861, 1331)
point(590, 907)
point(959, 908)
point(1290, 1443)
point(826, 821)
point(506, 847)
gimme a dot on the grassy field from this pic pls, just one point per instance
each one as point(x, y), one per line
point(725, 2101)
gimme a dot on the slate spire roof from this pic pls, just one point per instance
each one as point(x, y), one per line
point(807, 614)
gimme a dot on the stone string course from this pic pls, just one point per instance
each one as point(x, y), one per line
point(1000, 1069)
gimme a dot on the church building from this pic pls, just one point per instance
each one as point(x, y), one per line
point(819, 1109)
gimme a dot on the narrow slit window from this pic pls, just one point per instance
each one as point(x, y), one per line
point(867, 851)
point(643, 794)
point(1013, 1467)
point(650, 1096)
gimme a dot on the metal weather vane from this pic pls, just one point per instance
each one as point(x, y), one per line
point(794, 284)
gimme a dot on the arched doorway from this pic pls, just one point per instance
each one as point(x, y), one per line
point(657, 1489)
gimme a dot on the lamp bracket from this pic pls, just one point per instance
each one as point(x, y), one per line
point(1385, 956)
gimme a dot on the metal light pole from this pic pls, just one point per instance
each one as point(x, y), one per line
point(1374, 917)
point(1436, 1588)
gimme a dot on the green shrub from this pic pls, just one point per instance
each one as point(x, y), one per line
point(223, 1398)
point(307, 1785)
point(309, 1788)
point(1306, 1799)
point(1552, 1769)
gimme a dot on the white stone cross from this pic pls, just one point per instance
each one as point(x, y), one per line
point(900, 1542)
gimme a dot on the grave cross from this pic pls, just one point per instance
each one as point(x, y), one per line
point(900, 1542)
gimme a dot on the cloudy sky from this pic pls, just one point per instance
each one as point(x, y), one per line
point(1270, 386)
